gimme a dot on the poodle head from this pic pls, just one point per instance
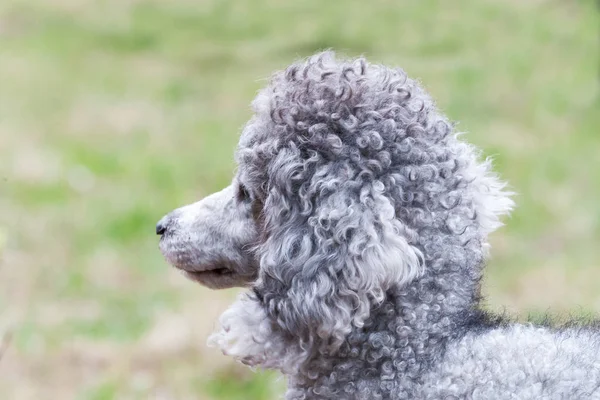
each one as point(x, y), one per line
point(344, 169)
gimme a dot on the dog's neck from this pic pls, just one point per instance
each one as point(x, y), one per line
point(403, 335)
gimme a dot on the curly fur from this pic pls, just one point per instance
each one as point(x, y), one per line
point(365, 218)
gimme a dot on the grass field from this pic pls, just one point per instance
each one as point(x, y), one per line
point(114, 112)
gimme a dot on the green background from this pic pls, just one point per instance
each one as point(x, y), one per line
point(114, 112)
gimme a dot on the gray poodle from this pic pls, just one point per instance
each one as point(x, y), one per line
point(359, 221)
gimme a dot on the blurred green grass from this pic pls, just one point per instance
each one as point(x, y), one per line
point(114, 112)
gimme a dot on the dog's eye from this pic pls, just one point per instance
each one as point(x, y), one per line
point(242, 193)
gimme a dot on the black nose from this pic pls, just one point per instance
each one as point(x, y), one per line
point(162, 225)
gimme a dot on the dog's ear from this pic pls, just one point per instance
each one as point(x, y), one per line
point(332, 248)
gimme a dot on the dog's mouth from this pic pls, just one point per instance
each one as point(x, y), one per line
point(216, 273)
point(213, 273)
point(213, 278)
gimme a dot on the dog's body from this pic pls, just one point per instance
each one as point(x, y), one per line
point(360, 223)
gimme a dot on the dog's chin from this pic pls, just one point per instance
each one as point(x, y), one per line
point(217, 278)
point(218, 275)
